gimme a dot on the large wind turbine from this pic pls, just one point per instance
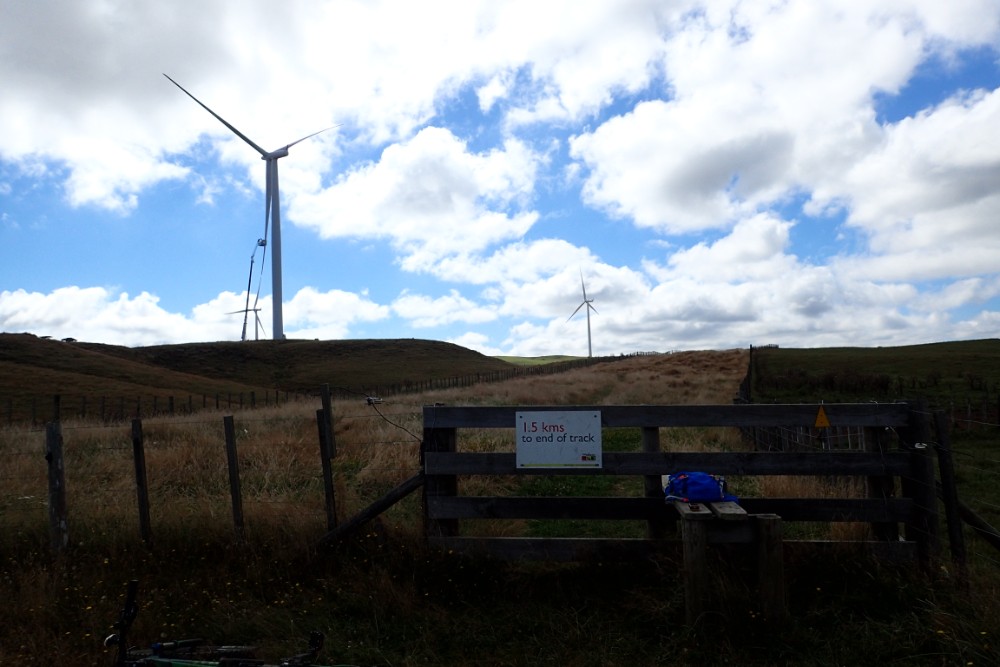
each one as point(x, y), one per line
point(272, 209)
point(589, 303)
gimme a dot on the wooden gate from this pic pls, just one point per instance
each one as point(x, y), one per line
point(897, 466)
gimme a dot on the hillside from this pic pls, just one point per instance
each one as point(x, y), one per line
point(386, 598)
point(943, 374)
point(303, 365)
point(32, 369)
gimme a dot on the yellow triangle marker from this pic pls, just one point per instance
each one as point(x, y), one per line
point(821, 419)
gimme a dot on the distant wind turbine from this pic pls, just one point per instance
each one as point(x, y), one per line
point(272, 209)
point(258, 325)
point(590, 307)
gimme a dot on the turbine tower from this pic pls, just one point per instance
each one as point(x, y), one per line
point(272, 209)
point(589, 303)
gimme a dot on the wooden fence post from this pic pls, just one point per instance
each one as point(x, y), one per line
point(949, 494)
point(331, 449)
point(141, 486)
point(922, 528)
point(438, 440)
point(58, 524)
point(325, 445)
point(234, 478)
point(656, 528)
point(770, 566)
point(694, 534)
point(883, 488)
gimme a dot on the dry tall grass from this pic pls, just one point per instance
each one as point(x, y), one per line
point(385, 600)
point(377, 448)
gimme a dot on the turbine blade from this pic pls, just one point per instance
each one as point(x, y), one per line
point(582, 286)
point(267, 198)
point(269, 165)
point(309, 136)
point(591, 307)
point(221, 119)
point(258, 324)
point(576, 311)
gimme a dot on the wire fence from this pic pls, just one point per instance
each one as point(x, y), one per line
point(280, 465)
point(280, 470)
point(971, 440)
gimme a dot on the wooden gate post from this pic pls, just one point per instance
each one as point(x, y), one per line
point(883, 488)
point(694, 534)
point(657, 527)
point(770, 566)
point(438, 440)
point(141, 486)
point(949, 494)
point(58, 525)
point(234, 478)
point(919, 485)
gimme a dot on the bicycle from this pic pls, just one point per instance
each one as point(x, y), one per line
point(192, 652)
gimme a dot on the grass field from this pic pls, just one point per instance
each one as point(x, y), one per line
point(384, 598)
point(536, 361)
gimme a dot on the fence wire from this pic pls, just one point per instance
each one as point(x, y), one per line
point(89, 445)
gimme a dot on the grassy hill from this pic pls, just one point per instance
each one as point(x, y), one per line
point(538, 361)
point(385, 597)
point(943, 374)
point(33, 370)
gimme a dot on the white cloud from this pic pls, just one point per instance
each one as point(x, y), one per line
point(703, 136)
point(423, 311)
point(754, 250)
point(314, 314)
point(95, 314)
point(478, 342)
point(431, 197)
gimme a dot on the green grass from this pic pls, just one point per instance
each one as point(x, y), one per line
point(960, 379)
point(943, 374)
point(537, 361)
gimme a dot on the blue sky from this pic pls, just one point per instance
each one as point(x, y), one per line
point(806, 173)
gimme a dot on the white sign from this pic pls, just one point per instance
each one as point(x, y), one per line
point(550, 439)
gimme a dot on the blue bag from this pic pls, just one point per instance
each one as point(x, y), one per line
point(697, 487)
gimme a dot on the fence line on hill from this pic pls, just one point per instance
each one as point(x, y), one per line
point(38, 409)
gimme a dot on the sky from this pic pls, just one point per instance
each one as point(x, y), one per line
point(717, 173)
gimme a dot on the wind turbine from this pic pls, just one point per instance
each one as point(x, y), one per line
point(589, 303)
point(258, 325)
point(272, 209)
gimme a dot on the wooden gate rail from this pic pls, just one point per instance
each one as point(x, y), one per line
point(912, 502)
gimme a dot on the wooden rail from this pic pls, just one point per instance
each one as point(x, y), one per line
point(911, 503)
point(758, 523)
